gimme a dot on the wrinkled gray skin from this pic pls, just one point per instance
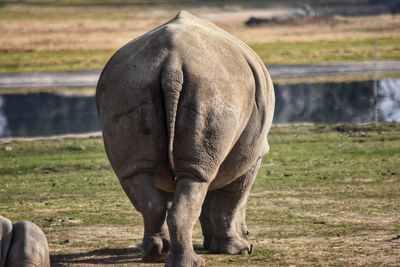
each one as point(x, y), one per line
point(185, 111)
point(22, 244)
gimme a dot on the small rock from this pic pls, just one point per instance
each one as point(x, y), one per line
point(8, 148)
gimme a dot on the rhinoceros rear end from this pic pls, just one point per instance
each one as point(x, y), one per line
point(22, 244)
point(186, 109)
point(5, 239)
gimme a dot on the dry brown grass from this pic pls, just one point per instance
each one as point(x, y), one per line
point(333, 28)
point(33, 35)
point(62, 38)
point(97, 28)
point(353, 250)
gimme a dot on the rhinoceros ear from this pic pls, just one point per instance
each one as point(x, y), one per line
point(5, 239)
point(28, 246)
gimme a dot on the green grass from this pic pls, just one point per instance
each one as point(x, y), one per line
point(273, 53)
point(328, 51)
point(33, 61)
point(325, 195)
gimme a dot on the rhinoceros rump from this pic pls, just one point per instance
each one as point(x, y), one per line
point(185, 112)
point(22, 244)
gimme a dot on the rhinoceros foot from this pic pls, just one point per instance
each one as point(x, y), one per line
point(180, 259)
point(229, 245)
point(155, 249)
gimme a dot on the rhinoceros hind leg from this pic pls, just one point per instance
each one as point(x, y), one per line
point(206, 226)
point(240, 222)
point(148, 200)
point(182, 216)
point(227, 215)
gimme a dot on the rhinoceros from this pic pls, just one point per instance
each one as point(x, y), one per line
point(185, 110)
point(22, 244)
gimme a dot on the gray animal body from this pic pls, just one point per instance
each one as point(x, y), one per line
point(22, 244)
point(185, 112)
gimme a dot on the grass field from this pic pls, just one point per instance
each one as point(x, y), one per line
point(270, 53)
point(53, 36)
point(325, 195)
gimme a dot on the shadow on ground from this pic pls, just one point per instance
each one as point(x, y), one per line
point(106, 256)
point(100, 256)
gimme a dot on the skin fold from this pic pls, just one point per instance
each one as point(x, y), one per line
point(22, 244)
point(185, 111)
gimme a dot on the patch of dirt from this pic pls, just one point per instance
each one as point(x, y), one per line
point(106, 232)
point(81, 238)
point(359, 129)
point(338, 217)
point(326, 209)
point(367, 250)
point(353, 128)
point(53, 211)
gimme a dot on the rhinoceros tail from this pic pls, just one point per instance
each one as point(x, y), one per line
point(171, 82)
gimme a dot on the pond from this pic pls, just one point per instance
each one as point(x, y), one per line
point(43, 114)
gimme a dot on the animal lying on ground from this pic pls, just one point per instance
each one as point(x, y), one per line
point(185, 112)
point(22, 244)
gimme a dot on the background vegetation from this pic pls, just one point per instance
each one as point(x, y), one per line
point(48, 35)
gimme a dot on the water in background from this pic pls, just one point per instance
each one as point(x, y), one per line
point(41, 114)
point(353, 102)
